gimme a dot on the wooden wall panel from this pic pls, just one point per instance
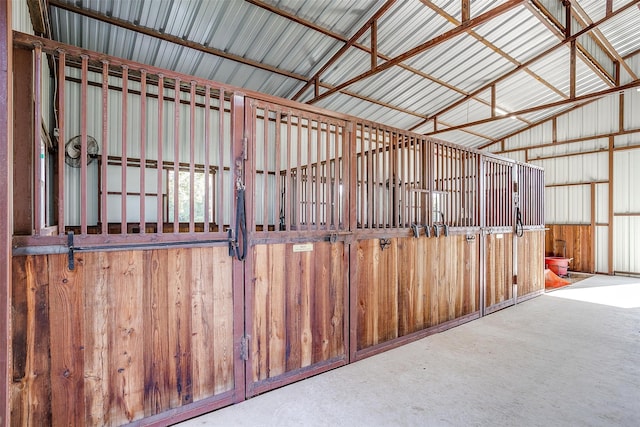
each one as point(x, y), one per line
point(499, 268)
point(579, 245)
point(298, 308)
point(424, 282)
point(531, 262)
point(130, 334)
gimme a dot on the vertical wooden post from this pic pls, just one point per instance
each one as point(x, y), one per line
point(374, 44)
point(611, 217)
point(466, 11)
point(593, 224)
point(493, 100)
point(6, 192)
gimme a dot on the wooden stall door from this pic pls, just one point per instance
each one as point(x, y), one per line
point(296, 272)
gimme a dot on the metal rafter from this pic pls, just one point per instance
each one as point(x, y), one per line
point(481, 19)
point(631, 85)
point(524, 64)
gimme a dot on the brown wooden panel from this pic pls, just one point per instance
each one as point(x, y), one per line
point(133, 334)
point(31, 391)
point(298, 308)
point(67, 333)
point(499, 268)
point(579, 241)
point(531, 262)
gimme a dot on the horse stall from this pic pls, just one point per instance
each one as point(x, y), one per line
point(193, 244)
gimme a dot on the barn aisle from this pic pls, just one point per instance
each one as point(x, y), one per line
point(579, 365)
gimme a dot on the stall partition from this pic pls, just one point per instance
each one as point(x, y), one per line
point(193, 244)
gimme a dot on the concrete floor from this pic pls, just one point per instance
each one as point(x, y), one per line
point(570, 357)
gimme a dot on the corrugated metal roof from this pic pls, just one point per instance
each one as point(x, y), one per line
point(429, 84)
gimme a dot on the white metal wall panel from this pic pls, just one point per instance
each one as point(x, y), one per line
point(601, 144)
point(575, 169)
point(626, 250)
point(602, 253)
point(626, 178)
point(567, 205)
point(596, 118)
point(20, 18)
point(602, 205)
point(540, 134)
point(632, 108)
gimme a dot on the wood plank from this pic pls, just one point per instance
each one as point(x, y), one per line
point(307, 272)
point(259, 341)
point(19, 315)
point(365, 271)
point(156, 335)
point(337, 300)
point(179, 313)
point(223, 363)
point(202, 323)
point(275, 262)
point(407, 286)
point(294, 309)
point(67, 324)
point(126, 337)
point(97, 295)
point(321, 303)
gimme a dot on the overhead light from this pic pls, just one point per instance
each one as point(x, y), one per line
point(502, 112)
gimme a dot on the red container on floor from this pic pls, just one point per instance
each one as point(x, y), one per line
point(557, 264)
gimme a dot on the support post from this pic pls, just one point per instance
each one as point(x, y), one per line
point(6, 209)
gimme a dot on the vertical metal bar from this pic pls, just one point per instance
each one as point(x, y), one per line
point(207, 162)
point(318, 175)
point(299, 200)
point(265, 172)
point(176, 155)
point(370, 180)
point(105, 148)
point(143, 146)
point(221, 154)
point(384, 152)
point(123, 154)
point(83, 144)
point(61, 137)
point(192, 155)
point(38, 155)
point(288, 188)
point(335, 199)
point(276, 175)
point(308, 177)
point(326, 186)
point(159, 183)
point(362, 178)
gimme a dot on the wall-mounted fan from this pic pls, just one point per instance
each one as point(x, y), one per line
point(72, 150)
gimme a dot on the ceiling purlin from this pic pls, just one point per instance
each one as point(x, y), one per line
point(560, 30)
point(346, 47)
point(526, 64)
point(630, 85)
point(481, 19)
point(631, 54)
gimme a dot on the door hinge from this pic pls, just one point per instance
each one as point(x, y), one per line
point(515, 279)
point(244, 348)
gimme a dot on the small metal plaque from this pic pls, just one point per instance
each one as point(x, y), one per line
point(499, 236)
point(303, 247)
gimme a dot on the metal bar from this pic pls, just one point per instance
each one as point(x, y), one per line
point(83, 145)
point(317, 174)
point(192, 154)
point(176, 155)
point(326, 173)
point(207, 161)
point(276, 176)
point(299, 207)
point(37, 141)
point(221, 153)
point(143, 148)
point(336, 196)
point(266, 201)
point(160, 144)
point(104, 220)
point(61, 138)
point(385, 176)
point(124, 114)
point(288, 188)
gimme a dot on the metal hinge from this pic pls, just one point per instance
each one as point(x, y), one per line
point(515, 279)
point(244, 348)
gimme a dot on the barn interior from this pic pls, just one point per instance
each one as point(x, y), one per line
point(205, 201)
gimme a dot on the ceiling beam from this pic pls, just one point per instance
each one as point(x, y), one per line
point(381, 11)
point(491, 46)
point(448, 35)
point(526, 64)
point(631, 85)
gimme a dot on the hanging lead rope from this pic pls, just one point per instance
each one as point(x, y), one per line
point(519, 226)
point(241, 226)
